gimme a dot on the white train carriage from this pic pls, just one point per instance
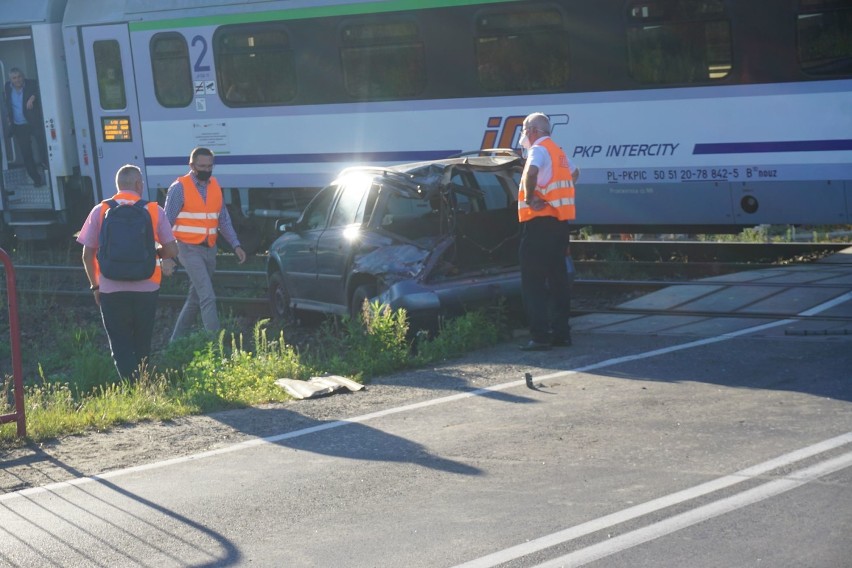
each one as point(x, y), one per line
point(683, 115)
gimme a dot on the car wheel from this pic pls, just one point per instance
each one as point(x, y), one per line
point(361, 293)
point(279, 299)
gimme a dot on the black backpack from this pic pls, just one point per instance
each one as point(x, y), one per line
point(126, 248)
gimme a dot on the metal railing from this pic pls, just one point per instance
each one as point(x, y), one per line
point(15, 344)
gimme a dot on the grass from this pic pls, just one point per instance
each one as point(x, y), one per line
point(72, 387)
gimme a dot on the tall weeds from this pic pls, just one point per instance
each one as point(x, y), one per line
point(75, 391)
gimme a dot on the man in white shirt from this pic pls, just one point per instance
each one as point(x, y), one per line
point(545, 207)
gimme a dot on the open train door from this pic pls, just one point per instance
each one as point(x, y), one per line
point(32, 206)
point(112, 101)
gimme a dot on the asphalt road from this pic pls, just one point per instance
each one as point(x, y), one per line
point(628, 451)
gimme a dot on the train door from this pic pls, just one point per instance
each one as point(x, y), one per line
point(113, 104)
point(25, 184)
point(30, 111)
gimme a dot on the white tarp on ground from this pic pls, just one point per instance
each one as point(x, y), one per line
point(317, 386)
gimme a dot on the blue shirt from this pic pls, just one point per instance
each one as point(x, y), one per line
point(18, 106)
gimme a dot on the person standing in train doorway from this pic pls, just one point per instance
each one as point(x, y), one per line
point(24, 121)
point(197, 212)
point(545, 207)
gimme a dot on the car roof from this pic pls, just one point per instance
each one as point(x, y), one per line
point(429, 176)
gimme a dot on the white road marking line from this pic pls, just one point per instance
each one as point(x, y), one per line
point(699, 342)
point(409, 407)
point(680, 496)
point(703, 513)
point(655, 504)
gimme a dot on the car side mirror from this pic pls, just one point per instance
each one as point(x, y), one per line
point(285, 226)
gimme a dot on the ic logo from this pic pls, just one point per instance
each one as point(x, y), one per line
point(505, 132)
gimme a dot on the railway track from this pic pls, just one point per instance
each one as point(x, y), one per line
point(608, 272)
point(591, 296)
point(700, 251)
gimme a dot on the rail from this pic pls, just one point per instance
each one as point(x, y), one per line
point(18, 415)
point(637, 265)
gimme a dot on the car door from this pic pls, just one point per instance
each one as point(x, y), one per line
point(341, 240)
point(298, 252)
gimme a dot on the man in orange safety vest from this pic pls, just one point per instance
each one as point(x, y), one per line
point(545, 207)
point(197, 212)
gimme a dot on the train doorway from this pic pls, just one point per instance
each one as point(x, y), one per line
point(25, 183)
point(113, 103)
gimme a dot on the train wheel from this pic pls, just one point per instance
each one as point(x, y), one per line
point(251, 238)
point(248, 230)
point(7, 238)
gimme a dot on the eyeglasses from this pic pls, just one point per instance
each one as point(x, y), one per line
point(527, 129)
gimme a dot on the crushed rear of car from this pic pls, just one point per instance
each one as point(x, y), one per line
point(436, 237)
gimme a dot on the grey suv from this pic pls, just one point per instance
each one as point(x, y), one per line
point(431, 237)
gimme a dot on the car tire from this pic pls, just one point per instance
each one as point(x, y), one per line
point(279, 299)
point(361, 293)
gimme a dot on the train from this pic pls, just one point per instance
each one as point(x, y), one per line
point(684, 116)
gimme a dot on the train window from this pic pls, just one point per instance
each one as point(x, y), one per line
point(679, 41)
point(825, 36)
point(658, 10)
point(383, 60)
point(522, 51)
point(110, 74)
point(170, 66)
point(254, 65)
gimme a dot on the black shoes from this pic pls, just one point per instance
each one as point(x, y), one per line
point(534, 346)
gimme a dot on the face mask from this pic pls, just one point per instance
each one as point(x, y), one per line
point(203, 176)
point(525, 141)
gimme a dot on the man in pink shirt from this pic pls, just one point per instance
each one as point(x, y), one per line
point(127, 306)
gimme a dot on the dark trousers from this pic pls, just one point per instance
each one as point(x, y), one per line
point(545, 287)
point(129, 322)
point(25, 135)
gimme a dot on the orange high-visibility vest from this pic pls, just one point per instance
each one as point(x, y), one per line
point(558, 194)
point(198, 220)
point(155, 218)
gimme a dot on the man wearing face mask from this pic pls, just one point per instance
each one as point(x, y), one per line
point(545, 207)
point(197, 212)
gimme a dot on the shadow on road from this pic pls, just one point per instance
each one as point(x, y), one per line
point(94, 522)
point(337, 438)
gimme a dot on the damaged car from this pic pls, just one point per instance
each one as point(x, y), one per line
point(434, 238)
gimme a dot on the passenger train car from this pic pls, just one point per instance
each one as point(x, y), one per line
point(682, 115)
